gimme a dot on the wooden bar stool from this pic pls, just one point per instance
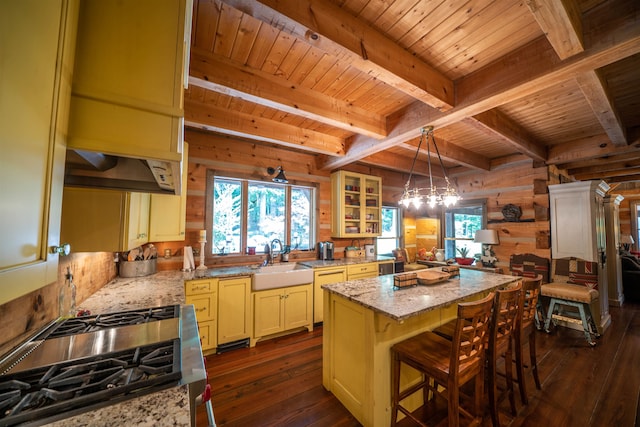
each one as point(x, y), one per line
point(445, 363)
point(505, 321)
point(527, 332)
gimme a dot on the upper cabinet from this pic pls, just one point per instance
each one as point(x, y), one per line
point(37, 44)
point(129, 75)
point(356, 204)
point(96, 220)
point(577, 220)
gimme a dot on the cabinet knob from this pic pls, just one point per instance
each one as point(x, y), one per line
point(64, 249)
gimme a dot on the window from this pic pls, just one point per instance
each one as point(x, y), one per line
point(249, 213)
point(460, 225)
point(389, 239)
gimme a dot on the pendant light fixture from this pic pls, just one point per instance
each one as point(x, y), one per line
point(447, 196)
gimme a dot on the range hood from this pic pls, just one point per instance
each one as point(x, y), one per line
point(97, 170)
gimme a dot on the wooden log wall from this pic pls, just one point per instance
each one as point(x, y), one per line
point(24, 315)
point(232, 157)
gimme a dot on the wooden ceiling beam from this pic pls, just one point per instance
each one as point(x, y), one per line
point(603, 161)
point(452, 153)
point(499, 125)
point(219, 74)
point(561, 23)
point(605, 167)
point(585, 149)
point(596, 93)
point(200, 115)
point(331, 29)
point(521, 73)
point(607, 175)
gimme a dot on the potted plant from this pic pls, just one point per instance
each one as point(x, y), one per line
point(463, 259)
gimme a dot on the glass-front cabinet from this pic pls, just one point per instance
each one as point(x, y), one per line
point(356, 204)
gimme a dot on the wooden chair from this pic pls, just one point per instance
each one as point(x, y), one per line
point(505, 321)
point(527, 332)
point(448, 363)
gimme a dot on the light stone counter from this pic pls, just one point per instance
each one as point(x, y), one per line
point(379, 294)
point(165, 408)
point(364, 318)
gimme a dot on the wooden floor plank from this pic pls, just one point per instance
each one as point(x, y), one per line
point(279, 381)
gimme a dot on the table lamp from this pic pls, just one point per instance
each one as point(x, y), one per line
point(626, 240)
point(487, 238)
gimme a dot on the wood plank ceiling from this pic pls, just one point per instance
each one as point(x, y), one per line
point(356, 80)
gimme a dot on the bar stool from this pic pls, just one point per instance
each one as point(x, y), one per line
point(527, 332)
point(449, 363)
point(505, 321)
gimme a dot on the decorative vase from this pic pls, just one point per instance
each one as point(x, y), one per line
point(439, 254)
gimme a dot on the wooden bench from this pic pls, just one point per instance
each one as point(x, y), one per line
point(572, 292)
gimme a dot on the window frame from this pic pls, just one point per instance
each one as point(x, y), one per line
point(245, 179)
point(398, 237)
point(482, 203)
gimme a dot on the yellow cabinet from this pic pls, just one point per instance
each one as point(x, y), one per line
point(356, 204)
point(95, 220)
point(283, 309)
point(167, 216)
point(203, 294)
point(324, 276)
point(127, 97)
point(37, 45)
point(234, 304)
point(362, 271)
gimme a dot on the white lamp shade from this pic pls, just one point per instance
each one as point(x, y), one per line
point(626, 239)
point(488, 237)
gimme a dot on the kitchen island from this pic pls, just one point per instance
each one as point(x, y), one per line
point(364, 318)
point(169, 407)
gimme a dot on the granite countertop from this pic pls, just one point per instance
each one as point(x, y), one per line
point(345, 261)
point(380, 295)
point(249, 270)
point(165, 408)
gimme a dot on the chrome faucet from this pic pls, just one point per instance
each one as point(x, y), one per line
point(273, 253)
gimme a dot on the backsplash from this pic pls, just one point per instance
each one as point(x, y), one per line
point(23, 316)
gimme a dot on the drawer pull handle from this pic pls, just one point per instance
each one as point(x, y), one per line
point(201, 309)
point(330, 273)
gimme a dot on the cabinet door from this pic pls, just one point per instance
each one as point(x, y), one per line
point(298, 310)
point(355, 204)
point(268, 313)
point(37, 45)
point(128, 78)
point(167, 216)
point(324, 276)
point(138, 219)
point(234, 317)
point(96, 220)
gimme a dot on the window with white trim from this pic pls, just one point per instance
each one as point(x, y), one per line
point(247, 213)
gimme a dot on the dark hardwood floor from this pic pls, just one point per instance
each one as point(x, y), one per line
point(279, 381)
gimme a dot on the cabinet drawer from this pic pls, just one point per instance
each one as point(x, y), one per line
point(207, 331)
point(362, 269)
point(196, 287)
point(204, 305)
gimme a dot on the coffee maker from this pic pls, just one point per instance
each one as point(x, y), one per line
point(325, 251)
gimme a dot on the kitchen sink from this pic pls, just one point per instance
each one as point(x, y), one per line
point(281, 275)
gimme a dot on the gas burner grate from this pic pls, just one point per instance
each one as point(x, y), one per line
point(50, 391)
point(83, 324)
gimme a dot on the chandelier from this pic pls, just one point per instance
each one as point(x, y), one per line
point(447, 196)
